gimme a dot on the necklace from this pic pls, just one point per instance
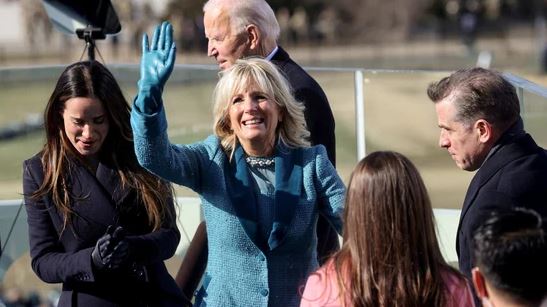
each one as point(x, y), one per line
point(260, 161)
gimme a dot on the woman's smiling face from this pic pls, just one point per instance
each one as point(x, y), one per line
point(254, 117)
point(86, 125)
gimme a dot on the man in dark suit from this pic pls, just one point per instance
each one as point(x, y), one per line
point(238, 29)
point(478, 113)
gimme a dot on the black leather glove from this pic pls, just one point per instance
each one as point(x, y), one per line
point(101, 250)
point(120, 251)
point(111, 250)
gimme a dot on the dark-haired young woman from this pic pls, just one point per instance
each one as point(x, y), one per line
point(98, 222)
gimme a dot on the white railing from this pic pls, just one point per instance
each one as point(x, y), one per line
point(13, 217)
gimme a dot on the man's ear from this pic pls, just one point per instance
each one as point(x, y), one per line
point(479, 283)
point(484, 130)
point(254, 36)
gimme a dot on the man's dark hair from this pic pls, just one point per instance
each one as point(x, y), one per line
point(479, 93)
point(510, 251)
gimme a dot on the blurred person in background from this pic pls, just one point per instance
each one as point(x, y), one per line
point(99, 223)
point(510, 250)
point(468, 23)
point(390, 255)
point(237, 29)
point(261, 185)
point(478, 112)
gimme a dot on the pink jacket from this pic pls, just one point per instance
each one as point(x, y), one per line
point(322, 290)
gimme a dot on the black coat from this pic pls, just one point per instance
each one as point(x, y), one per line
point(514, 176)
point(318, 114)
point(65, 256)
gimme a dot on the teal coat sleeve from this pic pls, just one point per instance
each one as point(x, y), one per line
point(330, 189)
point(181, 164)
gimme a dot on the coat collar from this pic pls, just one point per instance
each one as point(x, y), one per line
point(107, 179)
point(281, 57)
point(516, 148)
point(509, 150)
point(97, 196)
point(288, 183)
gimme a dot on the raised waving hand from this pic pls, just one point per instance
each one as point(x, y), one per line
point(157, 62)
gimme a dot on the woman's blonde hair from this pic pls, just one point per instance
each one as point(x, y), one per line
point(292, 131)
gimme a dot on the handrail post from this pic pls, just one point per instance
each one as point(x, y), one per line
point(520, 95)
point(360, 115)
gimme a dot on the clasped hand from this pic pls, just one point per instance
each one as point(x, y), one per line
point(112, 249)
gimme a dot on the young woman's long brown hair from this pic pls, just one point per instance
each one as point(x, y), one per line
point(91, 79)
point(390, 256)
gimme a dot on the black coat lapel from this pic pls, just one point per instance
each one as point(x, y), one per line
point(109, 179)
point(129, 211)
point(92, 203)
point(516, 148)
point(280, 58)
point(522, 146)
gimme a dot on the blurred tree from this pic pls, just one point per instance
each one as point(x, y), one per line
point(187, 20)
point(186, 8)
point(374, 20)
point(312, 10)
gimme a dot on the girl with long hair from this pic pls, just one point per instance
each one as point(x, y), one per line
point(390, 255)
point(99, 223)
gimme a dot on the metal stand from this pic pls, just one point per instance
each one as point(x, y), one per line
point(89, 34)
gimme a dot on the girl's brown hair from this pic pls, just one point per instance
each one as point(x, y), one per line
point(390, 255)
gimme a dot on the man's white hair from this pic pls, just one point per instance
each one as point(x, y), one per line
point(245, 12)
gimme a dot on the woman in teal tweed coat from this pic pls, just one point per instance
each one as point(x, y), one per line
point(261, 185)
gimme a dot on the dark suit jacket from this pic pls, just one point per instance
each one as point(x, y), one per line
point(318, 114)
point(64, 256)
point(515, 175)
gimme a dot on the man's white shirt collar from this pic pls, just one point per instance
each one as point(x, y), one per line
point(271, 55)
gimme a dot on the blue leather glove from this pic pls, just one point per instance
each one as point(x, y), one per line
point(157, 63)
